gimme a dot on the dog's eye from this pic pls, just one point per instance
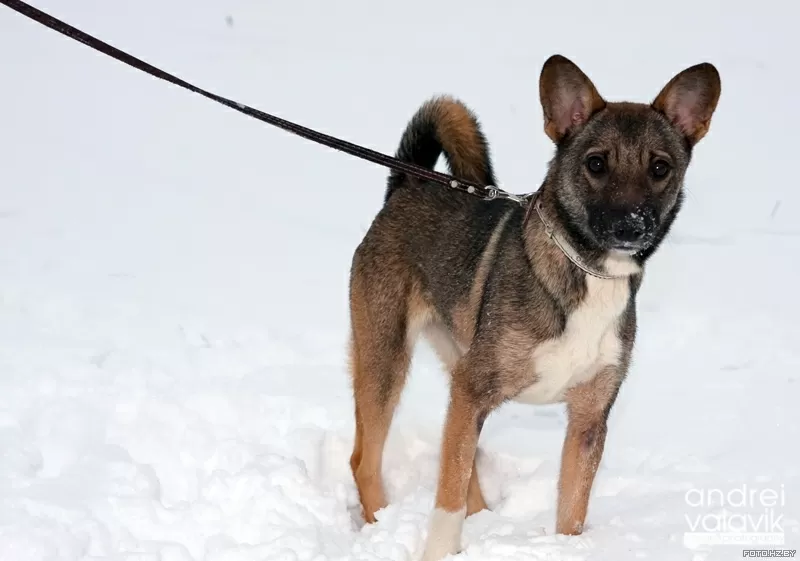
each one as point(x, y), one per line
point(659, 169)
point(596, 164)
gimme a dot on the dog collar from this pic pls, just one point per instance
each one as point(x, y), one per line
point(567, 250)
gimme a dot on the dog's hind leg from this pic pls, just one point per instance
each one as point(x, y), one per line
point(380, 359)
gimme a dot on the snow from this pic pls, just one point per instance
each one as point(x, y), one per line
point(173, 280)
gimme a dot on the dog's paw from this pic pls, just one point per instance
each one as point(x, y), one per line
point(444, 536)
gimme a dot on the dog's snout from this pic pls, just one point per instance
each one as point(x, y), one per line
point(625, 227)
point(628, 228)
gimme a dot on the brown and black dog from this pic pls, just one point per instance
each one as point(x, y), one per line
point(537, 311)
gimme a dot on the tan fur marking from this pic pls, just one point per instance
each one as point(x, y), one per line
point(583, 448)
point(457, 124)
point(465, 313)
point(376, 397)
point(459, 446)
point(366, 459)
point(458, 454)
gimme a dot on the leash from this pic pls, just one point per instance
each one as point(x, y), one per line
point(486, 192)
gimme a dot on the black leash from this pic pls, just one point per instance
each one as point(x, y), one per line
point(484, 191)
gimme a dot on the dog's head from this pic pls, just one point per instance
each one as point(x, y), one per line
point(619, 167)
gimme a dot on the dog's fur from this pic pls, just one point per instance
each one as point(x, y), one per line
point(509, 315)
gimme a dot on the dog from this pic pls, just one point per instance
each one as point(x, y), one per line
point(535, 306)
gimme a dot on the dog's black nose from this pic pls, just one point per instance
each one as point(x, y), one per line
point(628, 228)
point(623, 228)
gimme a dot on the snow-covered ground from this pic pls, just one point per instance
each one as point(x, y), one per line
point(173, 281)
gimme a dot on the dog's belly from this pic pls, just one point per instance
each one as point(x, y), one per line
point(589, 343)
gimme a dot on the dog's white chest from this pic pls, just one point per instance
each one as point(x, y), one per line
point(589, 343)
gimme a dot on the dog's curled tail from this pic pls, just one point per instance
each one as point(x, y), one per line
point(444, 124)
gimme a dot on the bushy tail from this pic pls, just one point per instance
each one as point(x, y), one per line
point(444, 124)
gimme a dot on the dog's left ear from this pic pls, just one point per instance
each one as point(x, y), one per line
point(689, 100)
point(568, 97)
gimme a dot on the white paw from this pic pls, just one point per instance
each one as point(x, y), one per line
point(444, 534)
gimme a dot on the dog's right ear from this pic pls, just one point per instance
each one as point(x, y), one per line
point(568, 97)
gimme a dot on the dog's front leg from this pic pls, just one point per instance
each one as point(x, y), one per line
point(460, 441)
point(588, 406)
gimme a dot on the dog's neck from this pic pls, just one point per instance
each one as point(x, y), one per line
point(546, 230)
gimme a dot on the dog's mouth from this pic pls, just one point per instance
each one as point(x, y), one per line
point(628, 248)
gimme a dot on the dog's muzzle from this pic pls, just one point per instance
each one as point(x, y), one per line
point(624, 229)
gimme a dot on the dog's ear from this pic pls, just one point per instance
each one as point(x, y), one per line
point(568, 97)
point(689, 100)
